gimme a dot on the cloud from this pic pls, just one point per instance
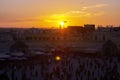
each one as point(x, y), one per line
point(86, 11)
point(94, 6)
point(19, 20)
point(100, 13)
point(55, 18)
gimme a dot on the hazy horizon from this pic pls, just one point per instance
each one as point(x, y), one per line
point(48, 13)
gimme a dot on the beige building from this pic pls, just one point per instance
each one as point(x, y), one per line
point(79, 38)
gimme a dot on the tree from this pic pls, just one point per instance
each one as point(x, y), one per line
point(109, 48)
point(19, 46)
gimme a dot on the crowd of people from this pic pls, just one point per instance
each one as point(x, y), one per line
point(83, 68)
point(67, 68)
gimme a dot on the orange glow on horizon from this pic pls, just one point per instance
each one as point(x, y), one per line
point(48, 14)
point(62, 24)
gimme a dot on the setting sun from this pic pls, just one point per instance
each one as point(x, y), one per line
point(48, 14)
point(62, 24)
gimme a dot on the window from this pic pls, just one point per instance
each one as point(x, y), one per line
point(103, 37)
point(96, 38)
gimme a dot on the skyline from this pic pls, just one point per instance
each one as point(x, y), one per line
point(45, 13)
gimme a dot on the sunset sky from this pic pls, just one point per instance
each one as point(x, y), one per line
point(48, 13)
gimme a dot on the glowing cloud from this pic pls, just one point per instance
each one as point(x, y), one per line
point(94, 6)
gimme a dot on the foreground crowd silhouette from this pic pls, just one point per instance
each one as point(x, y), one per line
point(68, 68)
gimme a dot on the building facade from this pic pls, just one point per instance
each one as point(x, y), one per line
point(75, 37)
